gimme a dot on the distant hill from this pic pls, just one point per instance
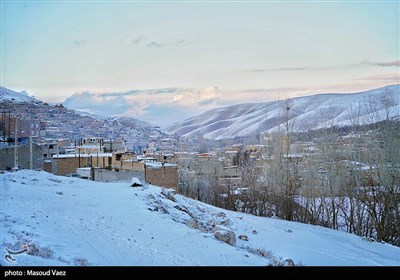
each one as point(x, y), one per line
point(306, 113)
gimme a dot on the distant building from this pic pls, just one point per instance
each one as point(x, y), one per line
point(111, 146)
point(90, 146)
point(25, 128)
point(126, 161)
point(50, 149)
point(163, 157)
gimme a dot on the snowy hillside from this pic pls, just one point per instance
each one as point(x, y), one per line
point(309, 112)
point(13, 96)
point(129, 122)
point(70, 221)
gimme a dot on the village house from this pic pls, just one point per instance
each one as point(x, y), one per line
point(117, 145)
point(143, 167)
point(163, 157)
point(24, 127)
point(90, 146)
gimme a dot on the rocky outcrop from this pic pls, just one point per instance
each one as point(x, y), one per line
point(224, 234)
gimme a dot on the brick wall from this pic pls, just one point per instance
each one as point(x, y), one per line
point(133, 166)
point(117, 159)
point(166, 176)
point(48, 166)
point(64, 165)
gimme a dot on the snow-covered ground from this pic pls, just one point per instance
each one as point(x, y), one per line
point(77, 222)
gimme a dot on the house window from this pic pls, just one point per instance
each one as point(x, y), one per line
point(118, 157)
point(51, 147)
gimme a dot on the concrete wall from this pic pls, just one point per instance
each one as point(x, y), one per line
point(104, 175)
point(7, 157)
point(165, 176)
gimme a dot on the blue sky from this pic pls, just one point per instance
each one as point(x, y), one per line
point(210, 54)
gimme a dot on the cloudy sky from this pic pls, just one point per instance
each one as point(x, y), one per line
point(165, 61)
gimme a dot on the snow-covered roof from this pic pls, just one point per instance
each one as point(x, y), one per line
point(159, 164)
point(230, 167)
point(129, 160)
point(84, 155)
point(293, 155)
point(88, 147)
point(140, 157)
point(84, 169)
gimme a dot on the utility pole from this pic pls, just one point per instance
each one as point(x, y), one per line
point(16, 145)
point(9, 125)
point(30, 153)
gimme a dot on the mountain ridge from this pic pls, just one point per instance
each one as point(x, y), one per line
point(306, 112)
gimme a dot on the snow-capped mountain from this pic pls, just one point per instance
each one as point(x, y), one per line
point(69, 221)
point(305, 113)
point(17, 97)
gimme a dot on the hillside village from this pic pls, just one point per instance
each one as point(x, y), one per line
point(294, 176)
point(47, 122)
point(163, 133)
